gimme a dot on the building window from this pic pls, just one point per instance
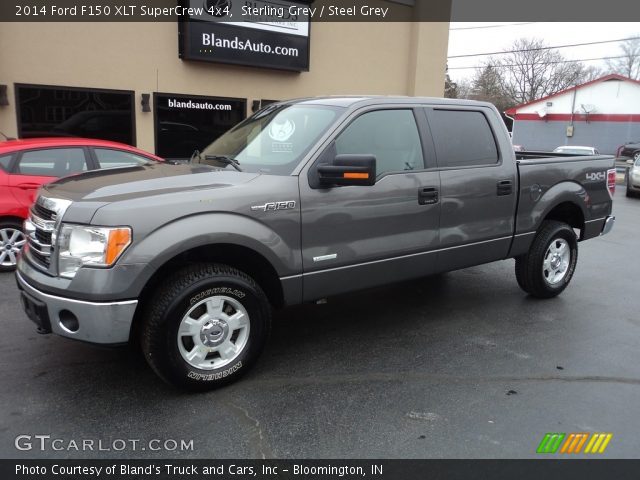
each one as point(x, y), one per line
point(81, 112)
point(188, 123)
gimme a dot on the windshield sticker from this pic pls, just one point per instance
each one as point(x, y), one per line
point(281, 147)
point(281, 132)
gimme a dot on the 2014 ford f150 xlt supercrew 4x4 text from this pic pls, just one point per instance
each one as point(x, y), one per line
point(303, 200)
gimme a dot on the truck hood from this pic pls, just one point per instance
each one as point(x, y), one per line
point(143, 181)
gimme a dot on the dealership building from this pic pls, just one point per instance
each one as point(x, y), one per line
point(170, 87)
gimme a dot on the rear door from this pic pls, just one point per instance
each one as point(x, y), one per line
point(478, 186)
point(34, 168)
point(355, 237)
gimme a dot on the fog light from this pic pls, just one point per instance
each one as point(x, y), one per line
point(68, 321)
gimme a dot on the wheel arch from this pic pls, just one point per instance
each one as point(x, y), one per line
point(568, 212)
point(12, 218)
point(237, 256)
point(564, 202)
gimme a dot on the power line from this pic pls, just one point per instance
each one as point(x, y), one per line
point(492, 26)
point(539, 63)
point(543, 48)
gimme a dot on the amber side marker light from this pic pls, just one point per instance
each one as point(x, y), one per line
point(119, 240)
point(356, 175)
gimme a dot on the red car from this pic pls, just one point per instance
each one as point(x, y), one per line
point(25, 165)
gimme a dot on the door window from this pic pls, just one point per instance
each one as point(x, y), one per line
point(108, 158)
point(55, 162)
point(463, 138)
point(390, 135)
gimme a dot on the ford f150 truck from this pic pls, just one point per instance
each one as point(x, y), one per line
point(303, 200)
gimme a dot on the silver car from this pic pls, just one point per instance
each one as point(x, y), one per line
point(633, 178)
point(577, 150)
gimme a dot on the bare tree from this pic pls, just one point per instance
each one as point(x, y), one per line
point(450, 87)
point(530, 70)
point(487, 85)
point(629, 64)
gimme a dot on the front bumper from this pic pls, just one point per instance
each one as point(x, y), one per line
point(96, 322)
point(608, 224)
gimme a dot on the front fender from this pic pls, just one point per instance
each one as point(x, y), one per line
point(200, 230)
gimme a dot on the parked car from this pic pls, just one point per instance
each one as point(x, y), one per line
point(576, 150)
point(25, 165)
point(305, 199)
point(631, 150)
point(633, 178)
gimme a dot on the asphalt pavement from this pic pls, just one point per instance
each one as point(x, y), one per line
point(461, 365)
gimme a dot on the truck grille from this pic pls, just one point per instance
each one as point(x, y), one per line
point(43, 213)
point(40, 240)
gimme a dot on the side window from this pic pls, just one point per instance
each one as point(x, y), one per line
point(391, 135)
point(108, 158)
point(54, 162)
point(5, 161)
point(462, 138)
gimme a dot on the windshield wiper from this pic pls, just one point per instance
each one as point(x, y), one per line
point(226, 160)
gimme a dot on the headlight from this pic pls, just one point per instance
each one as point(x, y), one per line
point(80, 245)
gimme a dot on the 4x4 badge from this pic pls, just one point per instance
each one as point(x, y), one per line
point(272, 206)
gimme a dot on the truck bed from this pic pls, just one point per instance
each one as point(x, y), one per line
point(549, 179)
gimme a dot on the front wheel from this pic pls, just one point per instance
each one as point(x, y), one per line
point(546, 270)
point(205, 326)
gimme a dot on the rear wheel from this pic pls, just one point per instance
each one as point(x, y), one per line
point(12, 240)
point(546, 270)
point(205, 326)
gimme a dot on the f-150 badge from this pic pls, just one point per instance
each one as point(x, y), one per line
point(286, 205)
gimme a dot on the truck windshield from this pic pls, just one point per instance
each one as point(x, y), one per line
point(273, 140)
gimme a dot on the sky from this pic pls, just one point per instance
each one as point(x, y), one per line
point(499, 36)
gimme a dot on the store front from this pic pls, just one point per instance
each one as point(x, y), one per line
point(172, 87)
point(185, 123)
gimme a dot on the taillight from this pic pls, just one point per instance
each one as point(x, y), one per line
point(611, 181)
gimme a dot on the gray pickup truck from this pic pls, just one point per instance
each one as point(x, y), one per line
point(303, 200)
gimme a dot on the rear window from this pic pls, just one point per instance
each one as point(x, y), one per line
point(109, 158)
point(5, 160)
point(463, 138)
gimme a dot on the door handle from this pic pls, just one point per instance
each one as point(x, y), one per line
point(427, 195)
point(505, 187)
point(28, 186)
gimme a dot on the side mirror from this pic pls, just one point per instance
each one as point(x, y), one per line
point(348, 170)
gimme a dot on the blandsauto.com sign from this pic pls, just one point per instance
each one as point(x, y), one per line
point(273, 34)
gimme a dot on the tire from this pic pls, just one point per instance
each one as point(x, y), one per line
point(212, 350)
point(546, 270)
point(636, 156)
point(12, 240)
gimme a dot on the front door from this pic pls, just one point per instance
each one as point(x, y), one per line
point(356, 237)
